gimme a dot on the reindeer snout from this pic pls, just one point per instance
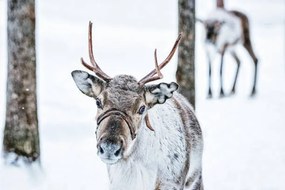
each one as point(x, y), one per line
point(110, 151)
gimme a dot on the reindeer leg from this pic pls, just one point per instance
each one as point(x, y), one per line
point(222, 94)
point(210, 80)
point(233, 53)
point(210, 57)
point(247, 45)
point(253, 92)
point(194, 182)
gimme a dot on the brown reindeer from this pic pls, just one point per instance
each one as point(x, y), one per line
point(224, 30)
point(147, 135)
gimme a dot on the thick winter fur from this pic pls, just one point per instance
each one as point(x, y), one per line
point(224, 30)
point(168, 158)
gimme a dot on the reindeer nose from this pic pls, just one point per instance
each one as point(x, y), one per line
point(110, 151)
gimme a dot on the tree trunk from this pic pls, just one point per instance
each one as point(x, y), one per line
point(21, 135)
point(185, 74)
point(220, 3)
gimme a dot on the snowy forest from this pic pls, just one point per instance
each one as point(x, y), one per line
point(243, 125)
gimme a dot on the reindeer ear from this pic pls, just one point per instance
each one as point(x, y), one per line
point(199, 20)
point(88, 84)
point(158, 94)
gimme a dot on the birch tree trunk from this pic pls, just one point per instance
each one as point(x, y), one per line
point(220, 3)
point(185, 74)
point(21, 135)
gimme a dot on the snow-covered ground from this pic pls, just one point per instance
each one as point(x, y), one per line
point(244, 137)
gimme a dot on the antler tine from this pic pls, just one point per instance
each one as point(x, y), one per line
point(157, 71)
point(94, 67)
point(150, 77)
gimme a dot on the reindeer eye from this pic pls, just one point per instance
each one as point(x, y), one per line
point(141, 110)
point(99, 103)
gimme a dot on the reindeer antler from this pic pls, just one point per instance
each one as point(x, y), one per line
point(94, 67)
point(151, 76)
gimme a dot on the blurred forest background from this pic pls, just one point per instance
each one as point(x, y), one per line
point(244, 137)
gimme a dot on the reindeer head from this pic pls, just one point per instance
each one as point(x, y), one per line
point(122, 103)
point(212, 28)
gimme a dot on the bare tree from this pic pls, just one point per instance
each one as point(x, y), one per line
point(21, 135)
point(185, 74)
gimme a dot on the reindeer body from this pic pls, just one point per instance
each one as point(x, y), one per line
point(168, 157)
point(224, 31)
point(230, 31)
point(147, 135)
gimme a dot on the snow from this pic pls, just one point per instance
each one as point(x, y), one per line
point(244, 137)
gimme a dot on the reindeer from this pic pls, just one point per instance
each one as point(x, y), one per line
point(224, 31)
point(148, 135)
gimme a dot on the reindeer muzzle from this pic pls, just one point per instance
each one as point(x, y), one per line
point(123, 115)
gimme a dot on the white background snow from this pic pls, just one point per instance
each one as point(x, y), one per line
point(244, 137)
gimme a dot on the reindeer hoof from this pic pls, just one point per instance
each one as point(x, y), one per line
point(222, 94)
point(253, 93)
point(233, 91)
point(209, 96)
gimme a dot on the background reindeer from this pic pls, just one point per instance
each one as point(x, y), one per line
point(224, 31)
point(147, 135)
